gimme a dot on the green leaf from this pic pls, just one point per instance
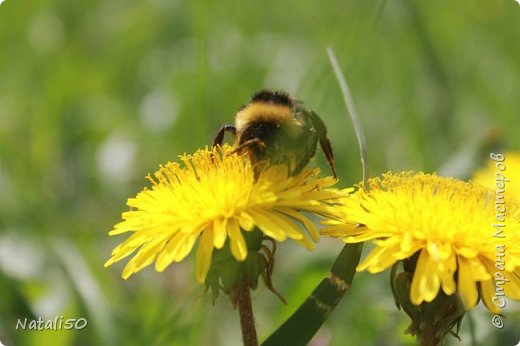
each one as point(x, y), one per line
point(310, 316)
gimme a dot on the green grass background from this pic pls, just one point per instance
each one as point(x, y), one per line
point(94, 95)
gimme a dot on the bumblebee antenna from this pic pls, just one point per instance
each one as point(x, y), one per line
point(347, 96)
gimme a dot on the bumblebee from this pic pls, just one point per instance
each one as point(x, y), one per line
point(275, 127)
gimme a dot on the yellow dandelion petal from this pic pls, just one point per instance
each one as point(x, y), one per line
point(121, 227)
point(219, 232)
point(178, 247)
point(424, 285)
point(336, 230)
point(306, 243)
point(466, 284)
point(246, 221)
point(204, 253)
point(269, 228)
point(212, 197)
point(448, 223)
point(286, 224)
point(378, 260)
point(487, 288)
point(237, 241)
point(119, 254)
point(145, 256)
point(313, 231)
point(447, 269)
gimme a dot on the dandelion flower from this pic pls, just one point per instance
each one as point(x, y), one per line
point(213, 198)
point(451, 227)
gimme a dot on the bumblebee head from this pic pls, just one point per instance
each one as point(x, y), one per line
point(266, 106)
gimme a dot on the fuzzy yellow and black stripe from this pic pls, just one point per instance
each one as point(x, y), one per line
point(264, 112)
point(270, 106)
point(273, 97)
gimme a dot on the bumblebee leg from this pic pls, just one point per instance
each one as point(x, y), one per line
point(327, 150)
point(219, 138)
point(321, 130)
point(301, 165)
point(249, 143)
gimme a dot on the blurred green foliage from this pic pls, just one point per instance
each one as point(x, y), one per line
point(94, 95)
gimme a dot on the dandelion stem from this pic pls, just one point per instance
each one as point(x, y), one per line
point(247, 319)
point(427, 337)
